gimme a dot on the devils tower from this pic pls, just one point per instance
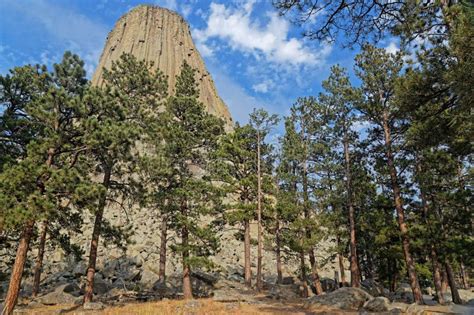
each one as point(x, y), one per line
point(161, 36)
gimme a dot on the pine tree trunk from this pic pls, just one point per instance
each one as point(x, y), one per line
point(259, 218)
point(452, 283)
point(278, 255)
point(340, 259)
point(437, 276)
point(39, 259)
point(354, 264)
point(312, 259)
point(315, 273)
point(247, 263)
point(444, 280)
point(89, 290)
point(163, 243)
point(415, 286)
point(433, 251)
point(21, 254)
point(187, 289)
point(464, 275)
point(18, 267)
point(303, 275)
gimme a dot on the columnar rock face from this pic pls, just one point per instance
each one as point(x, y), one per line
point(163, 37)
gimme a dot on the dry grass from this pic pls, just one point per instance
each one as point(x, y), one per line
point(180, 307)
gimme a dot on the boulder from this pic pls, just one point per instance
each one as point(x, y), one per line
point(373, 287)
point(467, 296)
point(328, 285)
point(64, 294)
point(284, 292)
point(402, 294)
point(377, 304)
point(93, 306)
point(208, 278)
point(351, 299)
point(165, 290)
point(79, 269)
point(228, 291)
point(148, 279)
point(100, 285)
point(288, 280)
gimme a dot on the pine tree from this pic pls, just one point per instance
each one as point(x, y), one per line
point(262, 122)
point(236, 166)
point(289, 207)
point(339, 99)
point(35, 188)
point(116, 119)
point(191, 135)
point(379, 72)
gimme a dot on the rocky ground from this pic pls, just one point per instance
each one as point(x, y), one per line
point(226, 294)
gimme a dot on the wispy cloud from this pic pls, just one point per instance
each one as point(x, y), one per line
point(241, 32)
point(65, 26)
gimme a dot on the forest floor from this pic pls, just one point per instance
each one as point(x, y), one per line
point(262, 305)
point(171, 307)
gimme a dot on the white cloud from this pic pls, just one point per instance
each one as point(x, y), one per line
point(186, 10)
point(392, 48)
point(263, 87)
point(236, 27)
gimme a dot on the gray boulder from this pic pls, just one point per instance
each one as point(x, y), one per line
point(79, 269)
point(328, 285)
point(100, 285)
point(64, 294)
point(377, 304)
point(288, 280)
point(208, 278)
point(229, 291)
point(284, 292)
point(372, 287)
point(166, 290)
point(95, 306)
point(467, 296)
point(402, 294)
point(351, 299)
point(148, 279)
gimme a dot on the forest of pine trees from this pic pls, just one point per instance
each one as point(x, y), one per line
point(381, 168)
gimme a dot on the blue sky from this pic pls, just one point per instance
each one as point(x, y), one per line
point(257, 59)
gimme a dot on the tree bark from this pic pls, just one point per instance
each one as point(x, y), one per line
point(89, 290)
point(187, 289)
point(305, 292)
point(163, 243)
point(452, 283)
point(18, 267)
point(39, 259)
point(354, 264)
point(437, 276)
point(278, 255)
point(433, 251)
point(22, 252)
point(444, 280)
point(415, 286)
point(307, 215)
point(247, 263)
point(464, 275)
point(315, 273)
point(340, 259)
point(259, 218)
